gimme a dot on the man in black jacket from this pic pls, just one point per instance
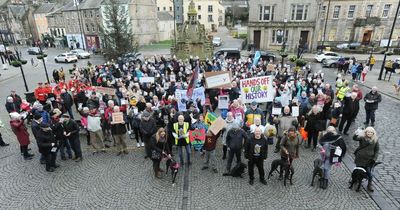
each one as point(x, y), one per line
point(118, 130)
point(371, 105)
point(350, 111)
point(71, 132)
point(58, 131)
point(148, 128)
point(67, 102)
point(47, 146)
point(256, 152)
point(234, 141)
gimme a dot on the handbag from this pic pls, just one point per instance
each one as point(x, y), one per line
point(155, 155)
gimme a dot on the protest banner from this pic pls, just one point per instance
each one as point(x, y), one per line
point(105, 90)
point(217, 125)
point(223, 102)
point(295, 111)
point(218, 79)
point(258, 89)
point(182, 98)
point(276, 111)
point(117, 117)
point(270, 67)
point(197, 134)
point(146, 80)
point(210, 118)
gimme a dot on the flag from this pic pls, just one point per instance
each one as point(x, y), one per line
point(193, 81)
point(257, 56)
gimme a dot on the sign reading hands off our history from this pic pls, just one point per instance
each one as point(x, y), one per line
point(257, 89)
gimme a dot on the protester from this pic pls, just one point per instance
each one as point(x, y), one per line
point(148, 128)
point(209, 146)
point(159, 148)
point(72, 134)
point(47, 146)
point(20, 131)
point(118, 130)
point(256, 150)
point(181, 135)
point(2, 143)
point(95, 132)
point(350, 112)
point(289, 147)
point(235, 139)
point(372, 99)
point(283, 123)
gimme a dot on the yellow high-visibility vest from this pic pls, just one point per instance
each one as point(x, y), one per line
point(185, 130)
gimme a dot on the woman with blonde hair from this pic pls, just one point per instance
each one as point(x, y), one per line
point(159, 147)
point(367, 152)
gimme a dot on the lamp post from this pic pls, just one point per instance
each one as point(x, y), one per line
point(22, 70)
point(388, 44)
point(326, 23)
point(76, 2)
point(283, 53)
point(173, 2)
point(44, 63)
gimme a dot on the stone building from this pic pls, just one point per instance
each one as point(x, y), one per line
point(363, 21)
point(272, 22)
point(144, 21)
point(90, 16)
point(73, 26)
point(41, 22)
point(165, 26)
point(56, 24)
point(210, 13)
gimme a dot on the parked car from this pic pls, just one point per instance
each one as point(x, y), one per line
point(265, 56)
point(333, 62)
point(228, 53)
point(66, 58)
point(354, 45)
point(321, 56)
point(80, 53)
point(342, 46)
point(133, 57)
point(217, 41)
point(33, 51)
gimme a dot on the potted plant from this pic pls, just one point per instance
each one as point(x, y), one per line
point(301, 62)
point(16, 63)
point(293, 58)
point(283, 54)
point(23, 62)
point(41, 56)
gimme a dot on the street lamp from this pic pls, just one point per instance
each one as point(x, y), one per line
point(326, 23)
point(283, 34)
point(22, 70)
point(388, 44)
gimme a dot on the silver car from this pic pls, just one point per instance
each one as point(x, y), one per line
point(217, 41)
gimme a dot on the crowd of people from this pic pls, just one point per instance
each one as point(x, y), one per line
point(114, 105)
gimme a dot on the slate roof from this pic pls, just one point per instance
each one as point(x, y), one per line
point(45, 8)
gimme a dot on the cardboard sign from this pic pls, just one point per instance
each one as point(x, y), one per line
point(270, 67)
point(223, 102)
point(197, 134)
point(276, 111)
point(257, 89)
point(117, 117)
point(217, 125)
point(182, 98)
point(210, 118)
point(105, 90)
point(146, 80)
point(218, 79)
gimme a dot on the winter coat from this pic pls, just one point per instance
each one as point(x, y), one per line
point(366, 152)
point(229, 125)
point(20, 131)
point(284, 123)
point(351, 107)
point(373, 100)
point(251, 114)
point(148, 128)
point(256, 148)
point(44, 141)
point(72, 127)
point(210, 142)
point(12, 107)
point(315, 122)
point(291, 146)
point(67, 98)
point(235, 138)
point(329, 142)
point(58, 130)
point(118, 129)
point(161, 146)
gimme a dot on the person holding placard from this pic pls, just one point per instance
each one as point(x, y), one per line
point(95, 132)
point(314, 124)
point(231, 122)
point(252, 113)
point(118, 130)
point(256, 149)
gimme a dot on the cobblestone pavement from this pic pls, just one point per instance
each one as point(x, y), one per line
point(387, 127)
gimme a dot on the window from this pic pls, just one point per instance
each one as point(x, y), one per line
point(368, 11)
point(278, 37)
point(299, 12)
point(170, 9)
point(93, 28)
point(164, 9)
point(210, 18)
point(210, 8)
point(336, 12)
point(158, 8)
point(386, 10)
point(267, 13)
point(87, 27)
point(199, 7)
point(199, 17)
point(91, 14)
point(352, 8)
point(177, 8)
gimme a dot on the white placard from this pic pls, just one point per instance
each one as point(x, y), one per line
point(276, 111)
point(295, 111)
point(123, 102)
point(338, 151)
point(146, 80)
point(223, 102)
point(257, 89)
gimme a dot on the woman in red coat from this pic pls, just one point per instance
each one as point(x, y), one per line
point(19, 129)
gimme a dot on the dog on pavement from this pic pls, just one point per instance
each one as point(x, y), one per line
point(358, 174)
point(318, 170)
point(237, 171)
point(285, 167)
point(174, 166)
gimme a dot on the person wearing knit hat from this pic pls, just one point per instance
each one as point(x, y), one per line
point(19, 129)
point(47, 146)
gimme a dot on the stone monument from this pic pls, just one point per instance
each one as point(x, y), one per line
point(191, 38)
